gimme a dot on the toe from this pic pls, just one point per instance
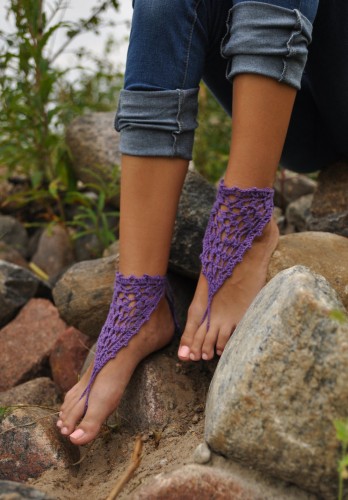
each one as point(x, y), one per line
point(223, 338)
point(191, 328)
point(198, 340)
point(209, 343)
point(71, 416)
point(89, 427)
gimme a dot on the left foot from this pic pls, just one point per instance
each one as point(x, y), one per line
point(229, 303)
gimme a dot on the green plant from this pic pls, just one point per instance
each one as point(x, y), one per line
point(212, 141)
point(342, 435)
point(37, 100)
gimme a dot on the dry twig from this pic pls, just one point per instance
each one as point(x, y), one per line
point(134, 464)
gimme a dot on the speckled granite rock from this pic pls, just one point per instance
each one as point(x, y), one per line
point(329, 211)
point(10, 490)
point(39, 391)
point(196, 201)
point(323, 253)
point(17, 286)
point(26, 451)
point(281, 382)
point(94, 146)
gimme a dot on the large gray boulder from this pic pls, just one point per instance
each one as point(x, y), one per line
point(282, 382)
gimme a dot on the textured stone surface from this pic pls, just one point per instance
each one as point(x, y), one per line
point(84, 292)
point(10, 254)
point(26, 451)
point(323, 253)
point(290, 186)
point(94, 146)
point(329, 210)
point(161, 394)
point(298, 212)
point(68, 356)
point(14, 234)
point(39, 391)
point(10, 490)
point(196, 201)
point(54, 252)
point(17, 286)
point(206, 483)
point(29, 339)
point(281, 382)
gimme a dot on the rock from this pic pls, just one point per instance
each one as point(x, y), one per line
point(290, 186)
point(26, 451)
point(10, 490)
point(29, 340)
point(323, 253)
point(195, 204)
point(113, 249)
point(279, 218)
point(10, 254)
point(281, 382)
point(68, 356)
point(329, 210)
point(197, 481)
point(298, 212)
point(14, 234)
point(94, 146)
point(17, 286)
point(39, 391)
point(202, 454)
point(159, 394)
point(55, 252)
point(84, 293)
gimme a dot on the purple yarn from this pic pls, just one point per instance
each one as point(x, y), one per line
point(238, 216)
point(133, 302)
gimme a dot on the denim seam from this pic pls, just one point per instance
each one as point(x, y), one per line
point(299, 27)
point(190, 42)
point(181, 96)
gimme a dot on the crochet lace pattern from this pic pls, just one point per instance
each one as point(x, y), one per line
point(238, 216)
point(133, 302)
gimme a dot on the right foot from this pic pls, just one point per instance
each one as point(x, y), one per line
point(112, 380)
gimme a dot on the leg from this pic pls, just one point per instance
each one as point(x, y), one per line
point(261, 112)
point(156, 125)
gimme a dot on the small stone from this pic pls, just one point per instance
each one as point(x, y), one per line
point(202, 454)
point(30, 338)
point(10, 254)
point(39, 391)
point(290, 186)
point(68, 356)
point(298, 212)
point(26, 451)
point(55, 252)
point(195, 419)
point(17, 286)
point(163, 462)
point(14, 234)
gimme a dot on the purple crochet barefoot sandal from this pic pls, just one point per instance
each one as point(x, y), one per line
point(238, 216)
point(133, 302)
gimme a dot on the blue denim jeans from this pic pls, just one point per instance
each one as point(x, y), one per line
point(176, 43)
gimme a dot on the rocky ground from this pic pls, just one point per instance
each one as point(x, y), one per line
point(256, 425)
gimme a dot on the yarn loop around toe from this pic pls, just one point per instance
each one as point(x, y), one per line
point(238, 216)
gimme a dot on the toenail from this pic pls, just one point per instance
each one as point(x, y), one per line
point(59, 423)
point(184, 351)
point(219, 352)
point(205, 356)
point(64, 430)
point(77, 434)
point(192, 357)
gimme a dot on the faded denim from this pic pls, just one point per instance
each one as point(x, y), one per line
point(176, 43)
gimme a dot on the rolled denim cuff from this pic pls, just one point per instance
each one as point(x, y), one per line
point(267, 40)
point(157, 123)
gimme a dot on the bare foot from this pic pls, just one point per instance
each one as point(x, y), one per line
point(111, 381)
point(229, 303)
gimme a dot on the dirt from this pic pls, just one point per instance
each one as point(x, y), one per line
point(109, 456)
